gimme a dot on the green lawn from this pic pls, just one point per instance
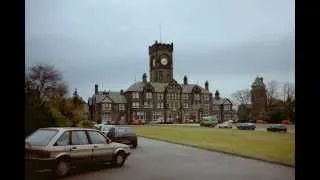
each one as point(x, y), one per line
point(276, 147)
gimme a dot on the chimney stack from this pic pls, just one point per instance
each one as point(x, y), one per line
point(185, 80)
point(121, 91)
point(144, 77)
point(206, 85)
point(96, 89)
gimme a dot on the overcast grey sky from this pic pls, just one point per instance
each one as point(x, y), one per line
point(227, 42)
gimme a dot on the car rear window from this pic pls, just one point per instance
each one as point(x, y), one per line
point(106, 128)
point(41, 137)
point(125, 130)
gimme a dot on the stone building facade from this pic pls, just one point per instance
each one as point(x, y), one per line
point(160, 97)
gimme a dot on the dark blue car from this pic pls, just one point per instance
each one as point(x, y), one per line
point(246, 126)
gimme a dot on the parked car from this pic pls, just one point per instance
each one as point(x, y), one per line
point(286, 122)
point(209, 121)
point(277, 128)
point(123, 134)
point(225, 125)
point(106, 128)
point(135, 122)
point(159, 120)
point(244, 126)
point(57, 149)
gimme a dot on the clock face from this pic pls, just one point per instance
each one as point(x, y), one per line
point(164, 61)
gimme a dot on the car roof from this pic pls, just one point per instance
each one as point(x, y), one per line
point(67, 128)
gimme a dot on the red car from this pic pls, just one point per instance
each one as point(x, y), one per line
point(286, 122)
point(136, 122)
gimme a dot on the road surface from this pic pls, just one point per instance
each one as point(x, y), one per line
point(156, 160)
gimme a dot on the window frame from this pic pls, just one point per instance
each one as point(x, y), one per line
point(85, 131)
point(69, 139)
point(90, 140)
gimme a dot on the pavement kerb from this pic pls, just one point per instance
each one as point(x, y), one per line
point(220, 151)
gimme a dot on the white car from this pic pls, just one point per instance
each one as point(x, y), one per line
point(225, 125)
point(157, 121)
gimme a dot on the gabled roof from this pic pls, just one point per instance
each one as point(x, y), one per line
point(115, 97)
point(160, 87)
point(218, 101)
point(226, 101)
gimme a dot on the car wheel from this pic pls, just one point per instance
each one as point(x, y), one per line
point(62, 168)
point(134, 144)
point(119, 159)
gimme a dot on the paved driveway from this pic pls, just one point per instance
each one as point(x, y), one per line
point(156, 160)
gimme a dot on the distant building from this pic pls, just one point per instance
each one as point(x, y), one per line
point(222, 108)
point(258, 99)
point(161, 96)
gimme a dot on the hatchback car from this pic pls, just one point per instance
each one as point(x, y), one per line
point(246, 126)
point(106, 128)
point(57, 149)
point(225, 125)
point(123, 134)
point(277, 128)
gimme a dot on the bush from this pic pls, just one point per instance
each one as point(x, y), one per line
point(85, 124)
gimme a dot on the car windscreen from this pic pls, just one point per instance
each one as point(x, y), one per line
point(41, 137)
point(106, 128)
point(125, 131)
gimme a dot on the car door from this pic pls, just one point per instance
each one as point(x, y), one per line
point(102, 149)
point(80, 148)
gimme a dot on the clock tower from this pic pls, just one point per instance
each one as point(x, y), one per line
point(161, 66)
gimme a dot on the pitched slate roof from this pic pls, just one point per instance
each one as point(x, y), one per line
point(116, 97)
point(218, 101)
point(160, 87)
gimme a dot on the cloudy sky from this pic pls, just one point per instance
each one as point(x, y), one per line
point(227, 42)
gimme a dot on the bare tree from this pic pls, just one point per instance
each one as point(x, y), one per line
point(288, 91)
point(242, 96)
point(45, 82)
point(272, 91)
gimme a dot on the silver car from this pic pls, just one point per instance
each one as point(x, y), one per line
point(58, 149)
point(225, 125)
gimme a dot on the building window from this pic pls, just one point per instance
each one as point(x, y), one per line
point(160, 96)
point(106, 107)
point(205, 97)
point(196, 97)
point(177, 105)
point(147, 105)
point(121, 107)
point(206, 106)
point(135, 95)
point(185, 105)
point(185, 96)
point(139, 116)
point(160, 105)
point(135, 105)
point(148, 95)
point(156, 115)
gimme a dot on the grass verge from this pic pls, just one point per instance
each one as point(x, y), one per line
point(268, 146)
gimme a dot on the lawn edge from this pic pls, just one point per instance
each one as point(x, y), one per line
point(220, 151)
